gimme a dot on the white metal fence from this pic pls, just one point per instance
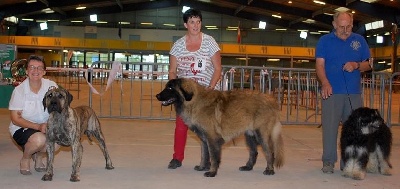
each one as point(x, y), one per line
point(131, 95)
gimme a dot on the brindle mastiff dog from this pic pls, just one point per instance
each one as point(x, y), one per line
point(66, 126)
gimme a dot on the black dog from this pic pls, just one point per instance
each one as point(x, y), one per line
point(365, 144)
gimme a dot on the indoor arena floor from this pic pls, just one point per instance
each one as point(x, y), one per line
point(141, 149)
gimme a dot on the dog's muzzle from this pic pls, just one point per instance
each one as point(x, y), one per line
point(163, 101)
point(54, 106)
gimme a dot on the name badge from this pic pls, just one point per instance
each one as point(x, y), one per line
point(200, 64)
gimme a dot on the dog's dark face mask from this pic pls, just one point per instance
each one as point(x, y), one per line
point(57, 99)
point(174, 93)
point(369, 120)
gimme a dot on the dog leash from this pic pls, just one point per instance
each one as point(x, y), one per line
point(347, 90)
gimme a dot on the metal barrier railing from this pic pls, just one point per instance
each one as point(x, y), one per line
point(132, 94)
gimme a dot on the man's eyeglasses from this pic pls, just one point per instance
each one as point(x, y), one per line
point(38, 68)
point(345, 28)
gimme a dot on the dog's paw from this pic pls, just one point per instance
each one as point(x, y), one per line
point(347, 173)
point(109, 167)
point(210, 174)
point(245, 168)
point(387, 172)
point(359, 175)
point(201, 168)
point(74, 178)
point(47, 177)
point(269, 172)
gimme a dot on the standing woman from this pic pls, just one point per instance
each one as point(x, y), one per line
point(196, 56)
point(28, 118)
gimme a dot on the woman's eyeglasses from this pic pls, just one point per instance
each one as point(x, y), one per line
point(38, 68)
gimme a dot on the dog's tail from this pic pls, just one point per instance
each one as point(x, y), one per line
point(277, 142)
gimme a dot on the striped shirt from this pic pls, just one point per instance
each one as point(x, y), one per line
point(196, 65)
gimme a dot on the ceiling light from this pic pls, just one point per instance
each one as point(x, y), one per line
point(242, 58)
point(303, 35)
point(30, 1)
point(172, 25)
point(280, 29)
point(379, 39)
point(369, 1)
point(319, 2)
point(211, 26)
point(185, 8)
point(27, 19)
point(124, 23)
point(80, 8)
point(309, 21)
point(342, 9)
point(262, 25)
point(256, 28)
point(329, 14)
point(53, 20)
point(290, 2)
point(315, 33)
point(273, 59)
point(48, 10)
point(43, 26)
point(12, 19)
point(101, 22)
point(374, 25)
point(93, 17)
point(276, 16)
point(322, 31)
point(146, 23)
point(76, 21)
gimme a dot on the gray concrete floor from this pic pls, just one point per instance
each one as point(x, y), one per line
point(141, 149)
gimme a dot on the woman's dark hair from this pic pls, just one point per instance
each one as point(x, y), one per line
point(190, 13)
point(37, 58)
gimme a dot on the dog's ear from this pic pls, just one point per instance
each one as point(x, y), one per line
point(187, 95)
point(187, 88)
point(69, 97)
point(44, 102)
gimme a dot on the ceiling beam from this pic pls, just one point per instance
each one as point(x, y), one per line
point(120, 5)
point(45, 2)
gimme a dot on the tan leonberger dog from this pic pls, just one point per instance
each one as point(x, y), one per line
point(66, 126)
point(217, 117)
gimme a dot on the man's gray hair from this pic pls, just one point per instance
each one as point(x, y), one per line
point(337, 14)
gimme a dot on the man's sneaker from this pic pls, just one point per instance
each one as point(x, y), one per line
point(174, 163)
point(327, 167)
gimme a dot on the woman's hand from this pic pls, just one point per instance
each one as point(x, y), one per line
point(42, 127)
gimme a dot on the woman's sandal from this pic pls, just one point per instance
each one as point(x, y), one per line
point(24, 171)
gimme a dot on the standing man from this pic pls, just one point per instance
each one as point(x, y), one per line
point(341, 56)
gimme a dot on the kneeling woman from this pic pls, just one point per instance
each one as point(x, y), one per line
point(28, 118)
